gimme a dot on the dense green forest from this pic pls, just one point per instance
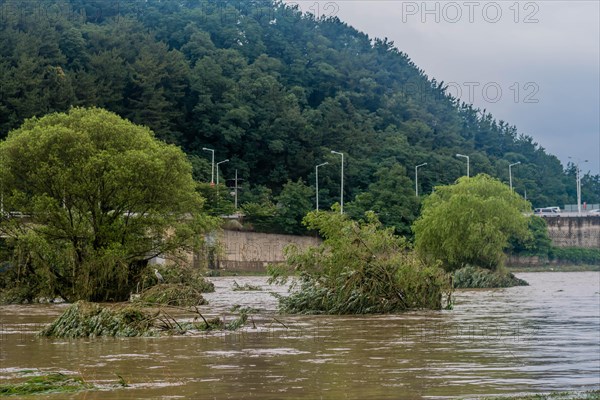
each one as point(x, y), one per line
point(274, 91)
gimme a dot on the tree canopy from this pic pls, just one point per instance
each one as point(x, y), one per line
point(470, 223)
point(270, 88)
point(89, 198)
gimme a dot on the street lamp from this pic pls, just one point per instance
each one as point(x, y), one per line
point(220, 162)
point(212, 174)
point(510, 173)
point(317, 181)
point(468, 162)
point(236, 190)
point(578, 180)
point(417, 178)
point(342, 183)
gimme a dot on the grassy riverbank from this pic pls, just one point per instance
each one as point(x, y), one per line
point(513, 269)
point(555, 268)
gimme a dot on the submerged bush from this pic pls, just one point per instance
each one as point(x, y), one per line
point(84, 319)
point(360, 268)
point(51, 383)
point(480, 278)
point(173, 295)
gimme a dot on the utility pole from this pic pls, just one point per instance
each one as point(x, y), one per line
point(236, 189)
point(417, 178)
point(212, 173)
point(578, 180)
point(317, 181)
point(510, 173)
point(342, 183)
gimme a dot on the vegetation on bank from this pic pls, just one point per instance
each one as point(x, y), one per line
point(554, 268)
point(274, 91)
point(574, 255)
point(360, 268)
point(45, 384)
point(538, 244)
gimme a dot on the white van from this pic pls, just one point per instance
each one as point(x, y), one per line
point(547, 211)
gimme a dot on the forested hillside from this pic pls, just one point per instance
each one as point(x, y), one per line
point(273, 91)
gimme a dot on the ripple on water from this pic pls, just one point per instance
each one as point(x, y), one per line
point(528, 339)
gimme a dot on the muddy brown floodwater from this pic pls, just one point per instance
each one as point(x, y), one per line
point(540, 338)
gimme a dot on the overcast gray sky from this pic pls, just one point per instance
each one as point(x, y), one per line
point(533, 64)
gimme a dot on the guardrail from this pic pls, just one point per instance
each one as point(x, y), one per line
point(569, 214)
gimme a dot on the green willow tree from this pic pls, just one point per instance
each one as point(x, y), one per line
point(470, 223)
point(88, 199)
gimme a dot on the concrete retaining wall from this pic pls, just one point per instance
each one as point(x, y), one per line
point(251, 251)
point(574, 231)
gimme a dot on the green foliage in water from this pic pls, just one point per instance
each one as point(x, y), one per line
point(470, 223)
point(360, 268)
point(84, 319)
point(173, 295)
point(475, 277)
point(45, 384)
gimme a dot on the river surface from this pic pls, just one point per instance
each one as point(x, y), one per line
point(540, 338)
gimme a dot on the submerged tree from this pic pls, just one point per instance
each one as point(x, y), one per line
point(360, 268)
point(470, 223)
point(88, 199)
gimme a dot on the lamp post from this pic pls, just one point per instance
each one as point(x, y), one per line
point(578, 180)
point(317, 181)
point(417, 178)
point(510, 173)
point(217, 165)
point(212, 173)
point(236, 189)
point(468, 162)
point(342, 183)
point(220, 162)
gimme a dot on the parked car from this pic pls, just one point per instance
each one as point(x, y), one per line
point(595, 212)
